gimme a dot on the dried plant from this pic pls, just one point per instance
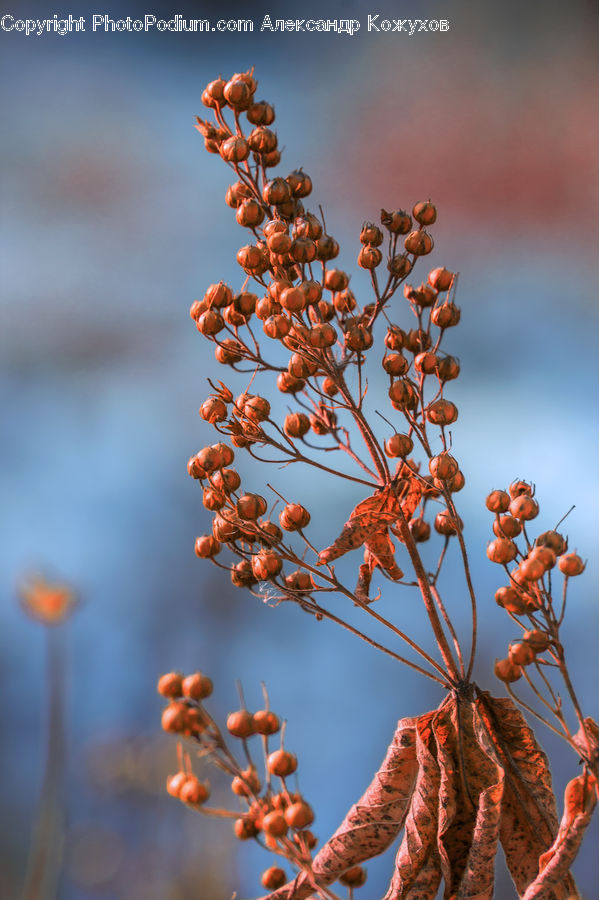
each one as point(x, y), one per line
point(470, 775)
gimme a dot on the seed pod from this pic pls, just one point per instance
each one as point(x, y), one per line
point(303, 250)
point(213, 499)
point(371, 234)
point(274, 824)
point(507, 526)
point(299, 582)
point(242, 574)
point(441, 279)
point(395, 338)
point(446, 524)
point(417, 340)
point(369, 257)
point(262, 140)
point(218, 295)
point(173, 717)
point(308, 226)
point(538, 640)
point(296, 425)
point(238, 94)
point(247, 783)
point(206, 546)
point(426, 362)
point(329, 386)
point(300, 366)
point(312, 291)
point(299, 815)
point(497, 501)
point(336, 280)
point(521, 653)
point(240, 723)
point(554, 541)
point(270, 533)
point(399, 265)
point(289, 384)
point(425, 213)
point(402, 394)
point(261, 113)
point(358, 337)
point(327, 248)
point(442, 412)
point(446, 316)
point(193, 791)
point(252, 260)
point(322, 336)
point(448, 368)
point(398, 221)
point(502, 551)
point(251, 506)
point(443, 466)
point(257, 409)
point(532, 569)
point(266, 722)
point(282, 763)
point(170, 685)
point(213, 94)
point(224, 531)
point(269, 160)
point(421, 530)
point(197, 686)
point(266, 565)
point(273, 878)
point(571, 564)
point(300, 183)
point(227, 480)
point(424, 296)
point(174, 783)
point(249, 213)
point(524, 507)
point(354, 877)
point(519, 488)
point(209, 459)
point(419, 243)
point(210, 323)
point(507, 671)
point(276, 192)
point(298, 337)
point(229, 351)
point(395, 364)
point(236, 193)
point(506, 597)
point(245, 828)
point(235, 149)
point(294, 517)
point(399, 445)
point(546, 556)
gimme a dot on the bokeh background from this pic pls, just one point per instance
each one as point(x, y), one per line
point(113, 220)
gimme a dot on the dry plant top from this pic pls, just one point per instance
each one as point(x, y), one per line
point(458, 780)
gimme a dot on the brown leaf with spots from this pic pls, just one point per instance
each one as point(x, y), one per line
point(419, 840)
point(372, 824)
point(579, 803)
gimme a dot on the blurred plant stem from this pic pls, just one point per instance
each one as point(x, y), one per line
point(47, 845)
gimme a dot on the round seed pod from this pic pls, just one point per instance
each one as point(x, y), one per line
point(276, 192)
point(336, 280)
point(425, 213)
point(240, 723)
point(299, 815)
point(397, 222)
point(282, 763)
point(399, 265)
point(210, 323)
point(419, 243)
point(521, 653)
point(446, 524)
point(197, 686)
point(261, 113)
point(371, 234)
point(174, 783)
point(294, 517)
point(395, 364)
point(251, 506)
point(571, 564)
point(354, 877)
point(296, 425)
point(262, 140)
point(358, 337)
point(273, 878)
point(441, 279)
point(507, 526)
point(242, 574)
point(206, 546)
point(509, 598)
point(498, 501)
point(448, 368)
point(266, 565)
point(421, 530)
point(538, 640)
point(506, 671)
point(443, 466)
point(193, 792)
point(235, 149)
point(274, 824)
point(213, 95)
point(300, 183)
point(554, 541)
point(442, 412)
point(327, 248)
point(266, 722)
point(446, 316)
point(170, 685)
point(369, 257)
point(524, 507)
point(399, 445)
point(502, 551)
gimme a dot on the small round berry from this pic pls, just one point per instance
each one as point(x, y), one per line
point(446, 524)
point(446, 316)
point(266, 722)
point(402, 394)
point(251, 506)
point(273, 878)
point(261, 113)
point(369, 257)
point(395, 364)
point(294, 517)
point(425, 213)
point(507, 526)
point(299, 815)
point(354, 877)
point(509, 598)
point(274, 824)
point(571, 564)
point(421, 530)
point(240, 723)
point(358, 337)
point(193, 791)
point(336, 280)
point(282, 763)
point(538, 640)
point(498, 501)
point(521, 653)
point(235, 149)
point(170, 685)
point(419, 243)
point(524, 507)
point(395, 338)
point(266, 565)
point(245, 828)
point(443, 466)
point(174, 718)
point(502, 551)
point(448, 368)
point(300, 183)
point(213, 410)
point(399, 445)
point(442, 412)
point(197, 686)
point(507, 671)
point(441, 279)
point(554, 541)
point(174, 783)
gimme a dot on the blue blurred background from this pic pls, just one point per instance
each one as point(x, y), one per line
point(113, 220)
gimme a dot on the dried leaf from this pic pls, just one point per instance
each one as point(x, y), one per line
point(579, 803)
point(529, 814)
point(427, 883)
point(419, 840)
point(372, 824)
